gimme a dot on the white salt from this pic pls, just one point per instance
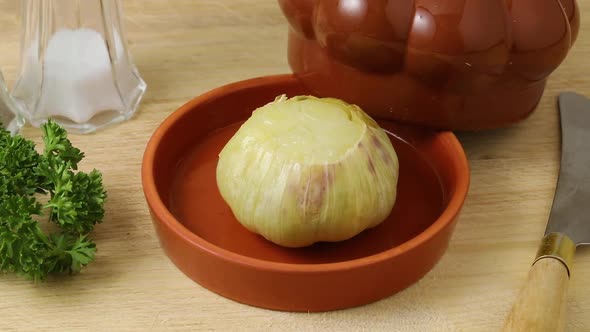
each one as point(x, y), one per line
point(78, 81)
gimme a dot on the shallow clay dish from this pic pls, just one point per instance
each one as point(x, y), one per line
point(198, 232)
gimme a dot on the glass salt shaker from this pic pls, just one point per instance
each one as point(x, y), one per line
point(10, 110)
point(75, 65)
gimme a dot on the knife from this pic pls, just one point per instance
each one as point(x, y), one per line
point(540, 306)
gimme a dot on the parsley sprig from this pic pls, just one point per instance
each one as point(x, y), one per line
point(35, 187)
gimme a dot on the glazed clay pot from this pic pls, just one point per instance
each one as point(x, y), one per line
point(453, 64)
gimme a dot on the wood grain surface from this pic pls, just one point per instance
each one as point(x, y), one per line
point(184, 48)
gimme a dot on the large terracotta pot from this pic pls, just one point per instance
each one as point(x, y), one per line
point(453, 64)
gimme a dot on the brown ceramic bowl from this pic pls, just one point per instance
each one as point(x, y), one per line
point(452, 64)
point(201, 236)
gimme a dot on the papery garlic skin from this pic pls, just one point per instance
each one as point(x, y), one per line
point(306, 169)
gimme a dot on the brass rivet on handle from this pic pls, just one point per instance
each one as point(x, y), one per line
point(558, 246)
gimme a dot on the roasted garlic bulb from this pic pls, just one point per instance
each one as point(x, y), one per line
point(307, 169)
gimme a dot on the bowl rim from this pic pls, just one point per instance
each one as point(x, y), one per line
point(165, 216)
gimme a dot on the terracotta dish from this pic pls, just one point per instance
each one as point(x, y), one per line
point(452, 64)
point(198, 232)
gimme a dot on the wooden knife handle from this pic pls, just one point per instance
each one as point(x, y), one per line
point(540, 306)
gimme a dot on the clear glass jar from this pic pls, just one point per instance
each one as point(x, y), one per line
point(75, 65)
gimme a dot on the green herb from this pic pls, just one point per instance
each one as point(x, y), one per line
point(44, 186)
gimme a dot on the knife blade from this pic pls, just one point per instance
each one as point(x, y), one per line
point(540, 306)
point(571, 204)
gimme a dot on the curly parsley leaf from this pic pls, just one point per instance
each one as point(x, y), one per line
point(23, 246)
point(78, 206)
point(75, 204)
point(57, 144)
point(69, 253)
point(18, 160)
